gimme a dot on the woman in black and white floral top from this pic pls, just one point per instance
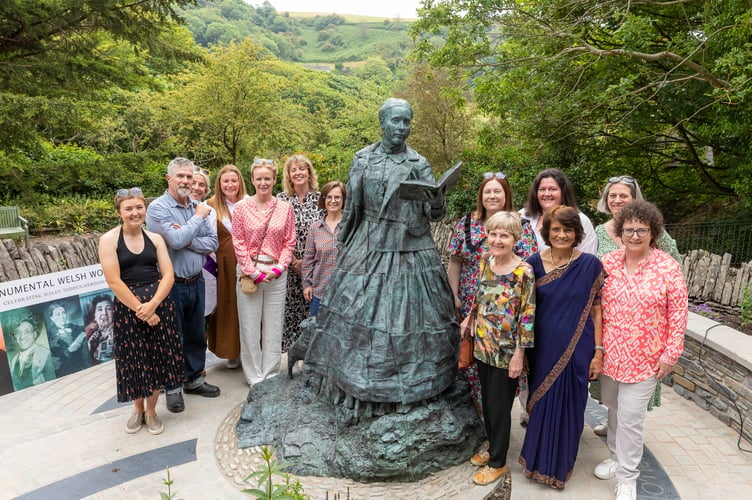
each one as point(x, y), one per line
point(301, 191)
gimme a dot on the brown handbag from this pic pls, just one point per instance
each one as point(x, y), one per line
point(467, 344)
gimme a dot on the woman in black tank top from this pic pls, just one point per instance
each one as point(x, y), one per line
point(147, 350)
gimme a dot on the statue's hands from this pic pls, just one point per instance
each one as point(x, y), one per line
point(437, 200)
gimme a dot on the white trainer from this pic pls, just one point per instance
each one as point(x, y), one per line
point(626, 491)
point(606, 469)
point(601, 429)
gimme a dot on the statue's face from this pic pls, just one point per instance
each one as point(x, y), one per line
point(396, 126)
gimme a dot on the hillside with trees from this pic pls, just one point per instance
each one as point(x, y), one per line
point(97, 95)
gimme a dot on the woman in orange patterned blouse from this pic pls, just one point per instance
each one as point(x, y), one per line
point(644, 303)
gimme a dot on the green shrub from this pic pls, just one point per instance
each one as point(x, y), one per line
point(70, 215)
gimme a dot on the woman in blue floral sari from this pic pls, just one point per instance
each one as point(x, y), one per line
point(567, 351)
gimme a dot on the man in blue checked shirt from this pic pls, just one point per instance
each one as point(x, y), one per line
point(186, 227)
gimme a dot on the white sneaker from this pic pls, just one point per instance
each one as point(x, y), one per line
point(601, 429)
point(606, 469)
point(626, 491)
point(232, 364)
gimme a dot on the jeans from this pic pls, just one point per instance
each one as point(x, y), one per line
point(313, 307)
point(189, 308)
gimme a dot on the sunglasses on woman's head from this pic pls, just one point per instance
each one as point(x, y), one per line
point(134, 191)
point(625, 179)
point(200, 170)
point(498, 175)
point(263, 161)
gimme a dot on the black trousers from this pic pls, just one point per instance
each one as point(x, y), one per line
point(498, 391)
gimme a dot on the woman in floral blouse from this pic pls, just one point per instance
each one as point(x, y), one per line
point(644, 302)
point(503, 329)
point(470, 242)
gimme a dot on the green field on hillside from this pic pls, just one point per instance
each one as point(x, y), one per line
point(354, 42)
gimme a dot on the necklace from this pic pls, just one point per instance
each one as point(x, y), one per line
point(563, 266)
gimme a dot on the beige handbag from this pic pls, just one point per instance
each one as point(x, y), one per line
point(247, 285)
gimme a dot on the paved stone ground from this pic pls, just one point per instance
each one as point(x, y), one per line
point(66, 439)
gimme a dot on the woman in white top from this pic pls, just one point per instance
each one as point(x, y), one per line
point(550, 188)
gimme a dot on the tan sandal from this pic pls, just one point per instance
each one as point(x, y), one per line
point(488, 475)
point(480, 459)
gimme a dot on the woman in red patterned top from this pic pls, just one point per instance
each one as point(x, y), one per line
point(263, 235)
point(644, 301)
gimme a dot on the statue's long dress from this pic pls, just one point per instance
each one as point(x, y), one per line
point(386, 330)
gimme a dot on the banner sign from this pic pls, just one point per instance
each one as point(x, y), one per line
point(53, 325)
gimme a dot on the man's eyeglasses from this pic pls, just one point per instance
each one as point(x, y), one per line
point(333, 198)
point(625, 179)
point(134, 191)
point(263, 161)
point(201, 170)
point(640, 231)
point(498, 175)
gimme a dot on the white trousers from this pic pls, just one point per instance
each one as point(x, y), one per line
point(261, 317)
point(627, 408)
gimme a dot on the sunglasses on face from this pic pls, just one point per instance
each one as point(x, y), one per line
point(625, 179)
point(134, 191)
point(498, 175)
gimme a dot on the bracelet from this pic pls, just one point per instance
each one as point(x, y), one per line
point(277, 272)
point(600, 348)
point(260, 278)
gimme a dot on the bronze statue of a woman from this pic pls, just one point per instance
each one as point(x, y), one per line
point(386, 330)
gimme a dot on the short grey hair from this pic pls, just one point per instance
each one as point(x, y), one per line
point(177, 163)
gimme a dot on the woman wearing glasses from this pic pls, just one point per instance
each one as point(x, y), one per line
point(470, 242)
point(619, 192)
point(224, 328)
point(263, 235)
point(321, 245)
point(644, 302)
point(147, 346)
point(301, 186)
point(550, 188)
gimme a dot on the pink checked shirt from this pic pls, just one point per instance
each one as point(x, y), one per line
point(248, 229)
point(644, 315)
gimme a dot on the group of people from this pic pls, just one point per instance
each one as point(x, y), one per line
point(577, 306)
point(557, 303)
point(233, 272)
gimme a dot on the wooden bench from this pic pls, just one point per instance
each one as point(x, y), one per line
point(12, 225)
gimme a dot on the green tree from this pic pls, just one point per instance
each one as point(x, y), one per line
point(58, 59)
point(444, 123)
point(657, 89)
